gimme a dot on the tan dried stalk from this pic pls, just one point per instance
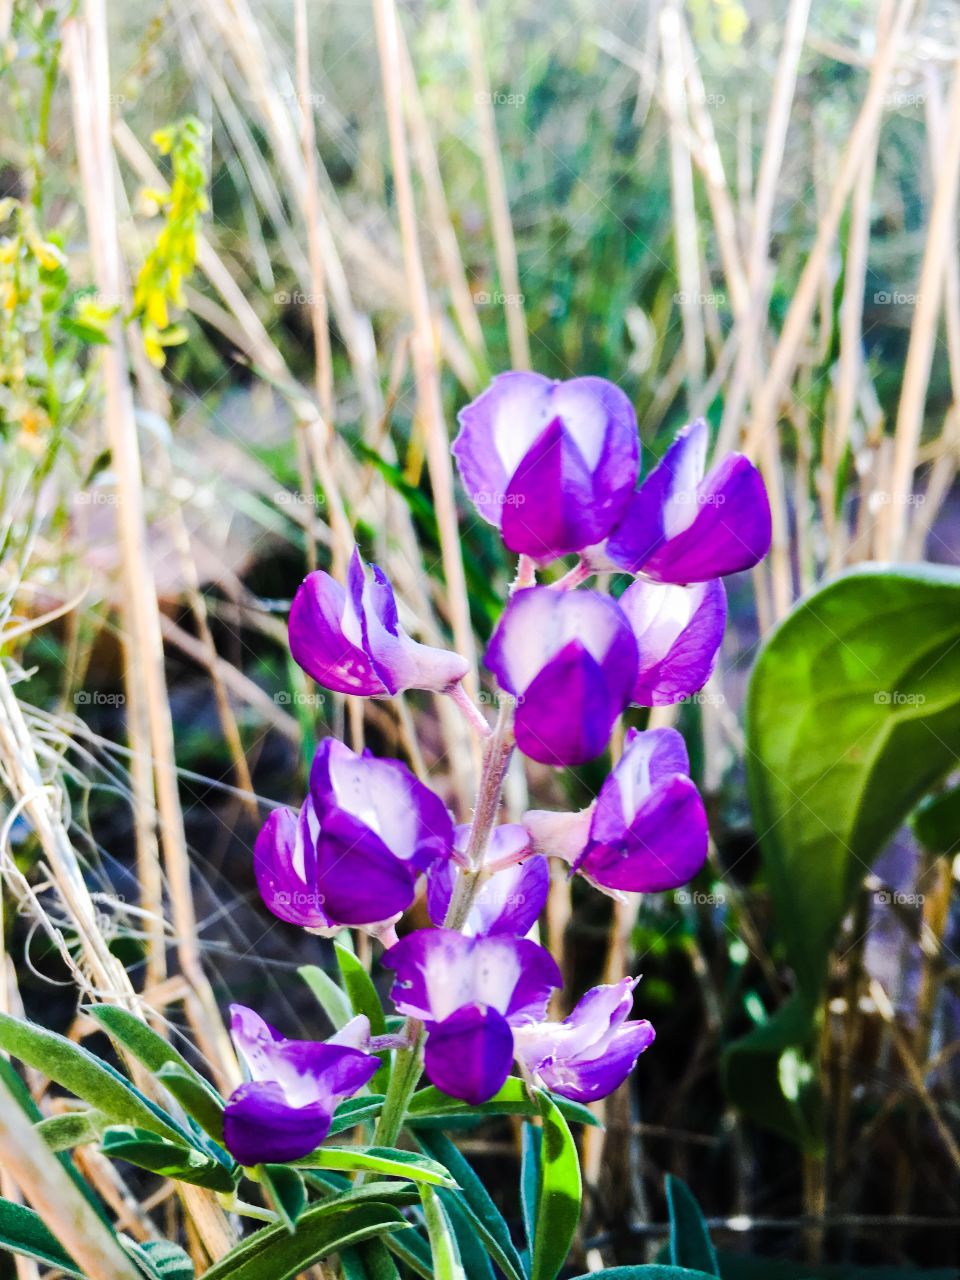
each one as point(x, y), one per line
point(89, 77)
point(505, 249)
point(939, 247)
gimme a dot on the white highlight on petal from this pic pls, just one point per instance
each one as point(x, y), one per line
point(680, 507)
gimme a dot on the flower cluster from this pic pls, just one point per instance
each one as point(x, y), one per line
point(554, 466)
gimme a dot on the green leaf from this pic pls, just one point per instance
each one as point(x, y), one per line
point(331, 999)
point(769, 1075)
point(159, 1259)
point(477, 1204)
point(558, 1194)
point(735, 1266)
point(411, 1248)
point(323, 1229)
point(651, 1271)
point(363, 997)
point(23, 1231)
point(72, 1129)
point(77, 1069)
point(168, 1159)
point(473, 1255)
point(286, 1192)
point(936, 824)
point(513, 1099)
point(353, 1111)
point(368, 1261)
point(443, 1243)
point(196, 1098)
point(387, 1160)
point(853, 714)
point(531, 1143)
point(360, 990)
point(690, 1244)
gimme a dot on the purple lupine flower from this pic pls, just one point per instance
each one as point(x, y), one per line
point(684, 526)
point(646, 831)
point(354, 853)
point(471, 992)
point(550, 464)
point(570, 660)
point(351, 641)
point(283, 1111)
point(678, 631)
point(509, 901)
point(591, 1052)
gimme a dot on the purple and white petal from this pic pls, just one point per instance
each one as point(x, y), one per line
point(285, 865)
point(439, 971)
point(681, 526)
point(570, 659)
point(552, 464)
point(679, 631)
point(509, 901)
point(400, 662)
point(326, 638)
point(559, 835)
point(469, 1054)
point(592, 1051)
point(385, 796)
point(259, 1125)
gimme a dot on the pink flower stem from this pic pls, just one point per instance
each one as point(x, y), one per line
point(471, 712)
point(580, 572)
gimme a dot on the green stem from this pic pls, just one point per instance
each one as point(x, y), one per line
point(408, 1063)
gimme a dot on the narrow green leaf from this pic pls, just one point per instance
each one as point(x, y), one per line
point(195, 1096)
point(147, 1046)
point(690, 1243)
point(323, 1229)
point(513, 1099)
point(159, 1259)
point(331, 999)
point(368, 1261)
point(651, 1271)
point(354, 1111)
point(168, 1159)
point(479, 1207)
point(364, 998)
point(558, 1194)
point(387, 1160)
point(443, 1243)
point(78, 1070)
point(360, 990)
point(23, 1231)
point(473, 1254)
point(531, 1142)
point(413, 1250)
point(286, 1192)
point(72, 1129)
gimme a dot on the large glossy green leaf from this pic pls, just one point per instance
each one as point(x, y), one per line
point(853, 714)
point(385, 1160)
point(558, 1194)
point(23, 1231)
point(76, 1069)
point(322, 1230)
point(690, 1244)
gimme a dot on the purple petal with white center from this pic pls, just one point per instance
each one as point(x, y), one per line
point(509, 902)
point(400, 662)
point(284, 1110)
point(285, 865)
point(469, 1054)
point(260, 1127)
point(360, 881)
point(439, 971)
point(591, 1052)
point(326, 639)
point(570, 659)
point(679, 631)
point(506, 844)
point(551, 463)
point(410, 819)
point(683, 527)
